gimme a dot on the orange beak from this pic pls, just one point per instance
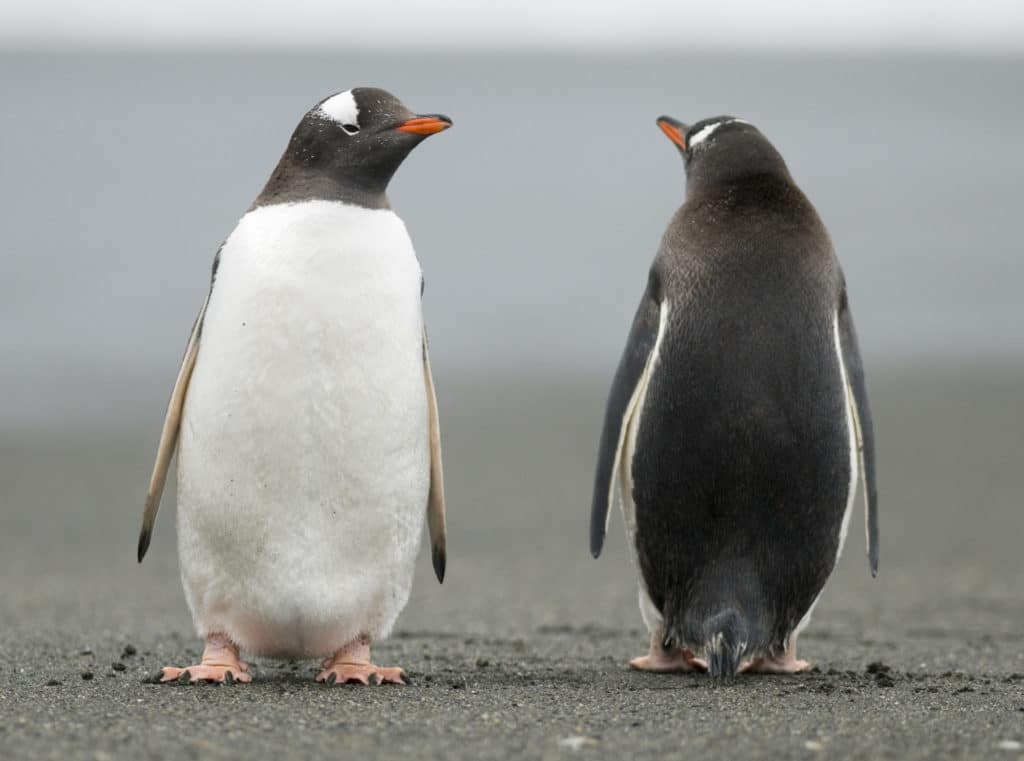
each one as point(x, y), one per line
point(671, 128)
point(425, 125)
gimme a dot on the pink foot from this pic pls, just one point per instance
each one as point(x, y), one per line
point(662, 661)
point(786, 663)
point(220, 664)
point(351, 665)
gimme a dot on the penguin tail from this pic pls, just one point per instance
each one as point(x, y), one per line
point(725, 643)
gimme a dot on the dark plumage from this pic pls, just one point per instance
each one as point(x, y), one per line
point(741, 465)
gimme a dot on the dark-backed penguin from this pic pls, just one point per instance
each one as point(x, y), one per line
point(738, 421)
point(304, 411)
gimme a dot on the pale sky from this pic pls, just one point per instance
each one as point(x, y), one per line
point(964, 25)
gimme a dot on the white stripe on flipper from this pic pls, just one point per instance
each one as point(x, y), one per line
point(853, 432)
point(859, 440)
point(627, 433)
point(622, 468)
point(852, 429)
point(341, 108)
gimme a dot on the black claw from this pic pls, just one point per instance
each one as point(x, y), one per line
point(331, 679)
point(376, 679)
point(229, 678)
point(184, 677)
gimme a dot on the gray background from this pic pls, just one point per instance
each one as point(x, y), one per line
point(535, 220)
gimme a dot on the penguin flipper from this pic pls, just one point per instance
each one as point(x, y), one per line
point(857, 396)
point(435, 499)
point(169, 434)
point(627, 388)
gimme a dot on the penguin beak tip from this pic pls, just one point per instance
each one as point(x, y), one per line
point(425, 125)
point(674, 130)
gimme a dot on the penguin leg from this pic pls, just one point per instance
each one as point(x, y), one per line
point(786, 663)
point(220, 664)
point(671, 660)
point(352, 665)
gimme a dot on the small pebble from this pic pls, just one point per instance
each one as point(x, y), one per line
point(129, 651)
point(1010, 745)
point(86, 675)
point(118, 666)
point(814, 745)
point(54, 683)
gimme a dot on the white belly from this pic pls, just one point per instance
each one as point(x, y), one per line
point(304, 465)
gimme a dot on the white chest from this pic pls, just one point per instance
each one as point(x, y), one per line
point(304, 457)
point(312, 302)
point(294, 270)
point(312, 337)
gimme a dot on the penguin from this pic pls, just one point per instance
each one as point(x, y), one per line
point(304, 412)
point(737, 426)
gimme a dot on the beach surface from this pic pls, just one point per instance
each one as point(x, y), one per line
point(522, 651)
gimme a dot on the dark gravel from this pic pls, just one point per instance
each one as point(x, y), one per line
point(522, 652)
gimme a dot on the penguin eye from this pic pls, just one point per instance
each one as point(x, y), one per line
point(350, 129)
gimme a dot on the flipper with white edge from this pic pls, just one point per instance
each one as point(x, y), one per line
point(169, 434)
point(857, 396)
point(435, 499)
point(627, 389)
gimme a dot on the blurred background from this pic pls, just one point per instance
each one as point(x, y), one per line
point(133, 136)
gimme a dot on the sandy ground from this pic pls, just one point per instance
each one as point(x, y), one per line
point(522, 651)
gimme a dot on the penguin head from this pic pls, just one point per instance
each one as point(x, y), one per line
point(721, 148)
point(355, 141)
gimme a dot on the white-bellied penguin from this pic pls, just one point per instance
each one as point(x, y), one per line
point(304, 411)
point(738, 421)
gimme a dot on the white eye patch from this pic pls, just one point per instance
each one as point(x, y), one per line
point(342, 108)
point(705, 132)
